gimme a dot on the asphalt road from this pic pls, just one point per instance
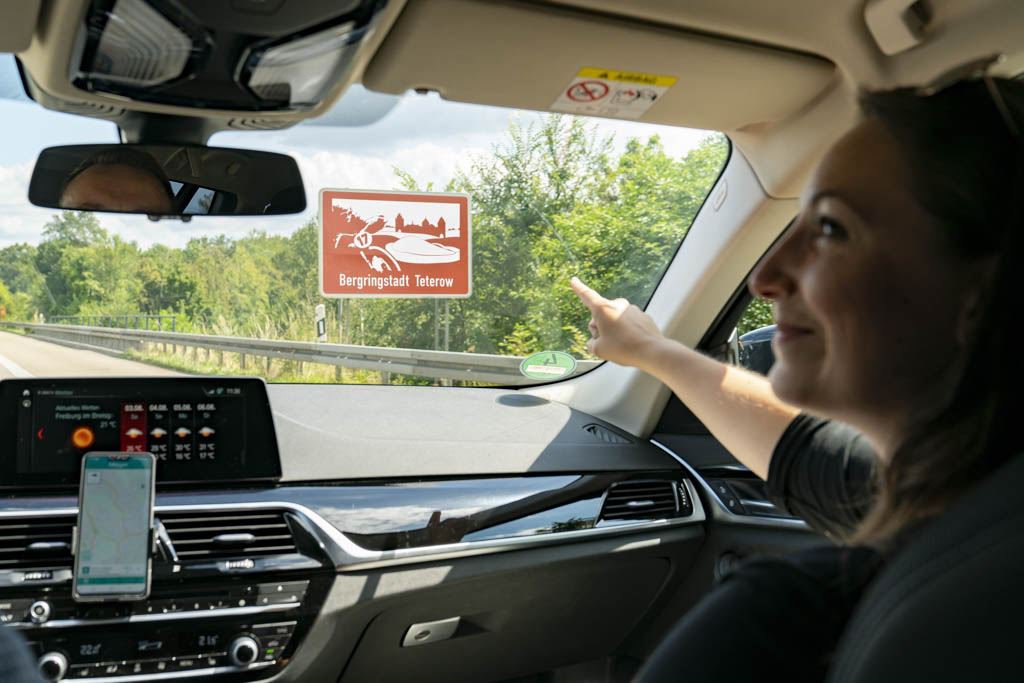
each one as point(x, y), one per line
point(22, 356)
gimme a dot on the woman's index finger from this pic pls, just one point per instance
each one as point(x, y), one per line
point(586, 294)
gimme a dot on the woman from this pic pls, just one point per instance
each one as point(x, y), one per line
point(894, 294)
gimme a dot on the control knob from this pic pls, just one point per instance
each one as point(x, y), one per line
point(39, 612)
point(243, 651)
point(53, 666)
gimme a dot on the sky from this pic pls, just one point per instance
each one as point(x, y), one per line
point(423, 135)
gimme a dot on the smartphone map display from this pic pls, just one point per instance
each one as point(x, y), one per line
point(114, 522)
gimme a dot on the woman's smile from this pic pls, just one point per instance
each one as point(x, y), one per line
point(787, 333)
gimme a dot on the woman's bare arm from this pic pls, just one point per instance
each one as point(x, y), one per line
point(737, 406)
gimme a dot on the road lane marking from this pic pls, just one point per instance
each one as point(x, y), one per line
point(13, 367)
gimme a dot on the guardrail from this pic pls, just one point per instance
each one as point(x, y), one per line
point(137, 321)
point(473, 367)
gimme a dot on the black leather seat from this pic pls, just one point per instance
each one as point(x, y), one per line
point(949, 606)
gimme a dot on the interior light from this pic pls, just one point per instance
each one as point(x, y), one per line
point(133, 44)
point(300, 71)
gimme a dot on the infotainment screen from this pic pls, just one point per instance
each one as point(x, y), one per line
point(199, 429)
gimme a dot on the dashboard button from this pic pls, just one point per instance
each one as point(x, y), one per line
point(13, 610)
point(103, 612)
point(167, 606)
point(284, 587)
point(217, 660)
point(187, 663)
point(143, 607)
point(277, 642)
point(159, 666)
point(279, 598)
point(284, 628)
point(80, 671)
point(39, 612)
point(150, 647)
point(53, 666)
point(109, 669)
point(243, 651)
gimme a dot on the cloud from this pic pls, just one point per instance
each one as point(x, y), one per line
point(428, 138)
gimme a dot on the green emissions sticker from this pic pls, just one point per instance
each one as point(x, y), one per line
point(548, 365)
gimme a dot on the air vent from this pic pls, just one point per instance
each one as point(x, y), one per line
point(605, 434)
point(636, 500)
point(217, 535)
point(36, 543)
point(258, 124)
point(104, 111)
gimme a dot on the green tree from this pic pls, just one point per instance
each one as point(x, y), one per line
point(69, 230)
point(758, 314)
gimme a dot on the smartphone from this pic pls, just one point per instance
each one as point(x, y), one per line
point(113, 541)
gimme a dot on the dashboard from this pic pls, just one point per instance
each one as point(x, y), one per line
point(277, 557)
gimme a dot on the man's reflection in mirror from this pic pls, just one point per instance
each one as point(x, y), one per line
point(123, 179)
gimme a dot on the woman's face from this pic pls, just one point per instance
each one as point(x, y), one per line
point(866, 296)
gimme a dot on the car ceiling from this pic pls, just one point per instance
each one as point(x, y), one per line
point(779, 77)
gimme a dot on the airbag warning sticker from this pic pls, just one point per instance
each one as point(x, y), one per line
point(608, 92)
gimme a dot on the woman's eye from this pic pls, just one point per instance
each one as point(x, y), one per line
point(831, 229)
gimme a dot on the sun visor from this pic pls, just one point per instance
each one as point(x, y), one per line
point(17, 24)
point(532, 57)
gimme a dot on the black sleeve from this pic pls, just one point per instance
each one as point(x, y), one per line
point(824, 473)
point(774, 618)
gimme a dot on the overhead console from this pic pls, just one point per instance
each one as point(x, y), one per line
point(233, 588)
point(258, 64)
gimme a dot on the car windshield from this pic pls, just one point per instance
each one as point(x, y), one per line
point(549, 196)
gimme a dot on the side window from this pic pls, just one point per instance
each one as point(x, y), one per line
point(753, 337)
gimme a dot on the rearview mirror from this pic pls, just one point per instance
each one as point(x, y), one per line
point(167, 180)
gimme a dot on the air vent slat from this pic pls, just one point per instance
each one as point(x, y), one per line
point(642, 505)
point(637, 500)
point(50, 536)
point(227, 519)
point(605, 434)
point(194, 534)
point(32, 538)
point(660, 492)
point(194, 541)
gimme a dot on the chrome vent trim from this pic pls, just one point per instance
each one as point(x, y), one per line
point(224, 534)
point(637, 500)
point(36, 543)
point(348, 556)
point(718, 511)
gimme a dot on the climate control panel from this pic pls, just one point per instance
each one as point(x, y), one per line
point(248, 629)
point(209, 648)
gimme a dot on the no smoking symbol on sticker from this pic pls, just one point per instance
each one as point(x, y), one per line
point(587, 91)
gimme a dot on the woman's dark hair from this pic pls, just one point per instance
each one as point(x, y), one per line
point(124, 156)
point(967, 164)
